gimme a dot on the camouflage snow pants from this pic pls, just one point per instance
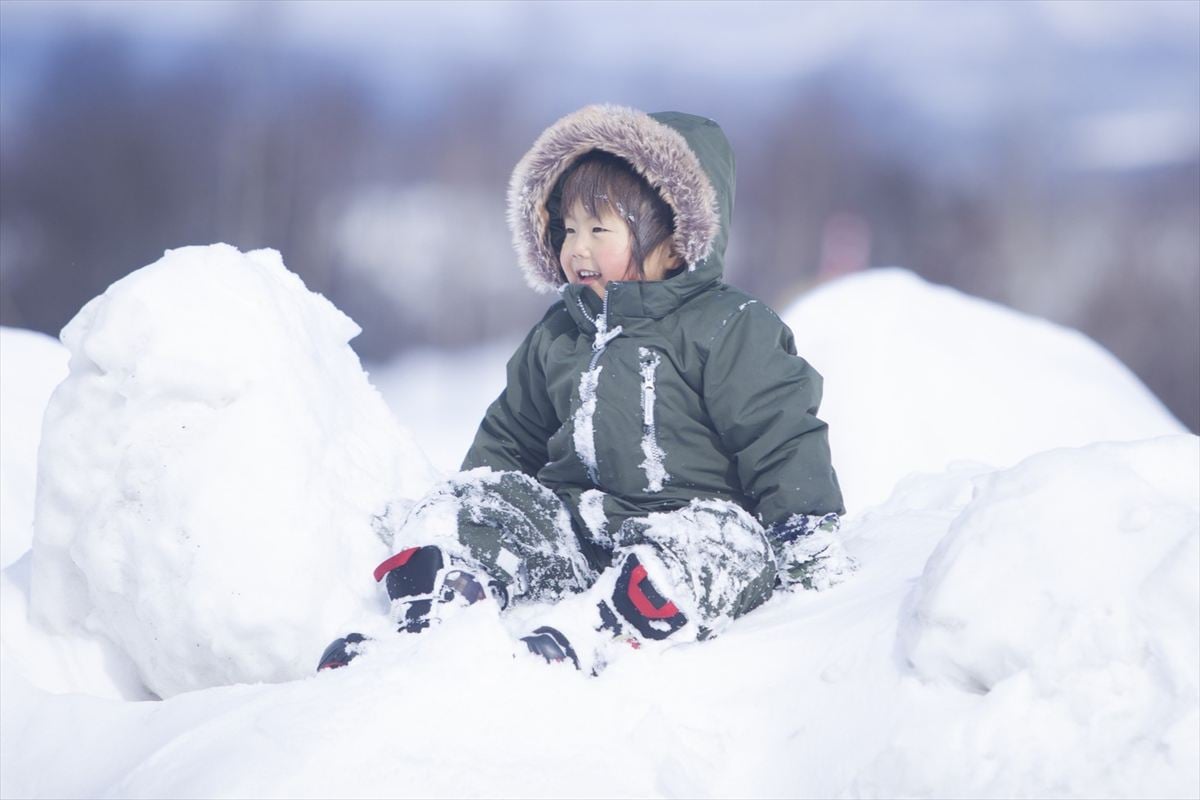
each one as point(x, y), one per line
point(714, 556)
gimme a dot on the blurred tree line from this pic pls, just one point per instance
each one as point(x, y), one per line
point(396, 213)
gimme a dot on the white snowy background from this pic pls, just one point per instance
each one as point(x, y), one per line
point(215, 466)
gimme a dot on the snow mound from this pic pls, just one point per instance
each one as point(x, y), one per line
point(918, 376)
point(31, 365)
point(211, 471)
point(1066, 592)
point(1047, 649)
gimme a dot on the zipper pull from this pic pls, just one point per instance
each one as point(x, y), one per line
point(603, 334)
point(604, 337)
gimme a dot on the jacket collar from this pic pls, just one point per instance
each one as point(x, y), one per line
point(631, 300)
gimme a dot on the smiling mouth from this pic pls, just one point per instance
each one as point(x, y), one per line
point(587, 274)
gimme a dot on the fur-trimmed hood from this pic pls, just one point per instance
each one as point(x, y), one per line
point(685, 157)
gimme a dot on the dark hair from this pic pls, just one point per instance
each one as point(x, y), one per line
point(600, 177)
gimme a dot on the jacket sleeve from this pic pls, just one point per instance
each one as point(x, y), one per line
point(763, 400)
point(517, 426)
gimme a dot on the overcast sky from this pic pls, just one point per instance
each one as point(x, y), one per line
point(1117, 70)
point(768, 39)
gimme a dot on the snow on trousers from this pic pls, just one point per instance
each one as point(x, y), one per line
point(714, 555)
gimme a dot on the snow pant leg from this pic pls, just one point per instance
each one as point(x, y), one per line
point(511, 525)
point(717, 561)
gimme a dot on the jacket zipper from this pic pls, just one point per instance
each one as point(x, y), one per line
point(585, 441)
point(603, 334)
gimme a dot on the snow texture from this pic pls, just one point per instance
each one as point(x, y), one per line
point(918, 376)
point(210, 470)
point(1067, 589)
point(1023, 631)
point(591, 510)
point(31, 365)
point(585, 432)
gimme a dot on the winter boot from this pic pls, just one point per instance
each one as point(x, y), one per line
point(550, 644)
point(424, 585)
point(341, 651)
point(623, 611)
point(635, 600)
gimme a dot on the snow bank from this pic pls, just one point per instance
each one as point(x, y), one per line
point(809, 696)
point(1048, 648)
point(1066, 593)
point(918, 376)
point(211, 470)
point(31, 365)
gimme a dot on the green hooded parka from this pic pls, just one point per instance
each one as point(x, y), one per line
point(665, 391)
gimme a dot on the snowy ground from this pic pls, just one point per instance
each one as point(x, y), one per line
point(1025, 620)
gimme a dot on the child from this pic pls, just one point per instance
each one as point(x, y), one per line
point(656, 447)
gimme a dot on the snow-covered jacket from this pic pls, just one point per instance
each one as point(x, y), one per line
point(667, 390)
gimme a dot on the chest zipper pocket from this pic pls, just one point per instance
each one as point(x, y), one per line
point(654, 462)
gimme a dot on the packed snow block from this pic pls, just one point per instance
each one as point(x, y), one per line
point(211, 472)
point(918, 376)
point(31, 365)
point(1068, 588)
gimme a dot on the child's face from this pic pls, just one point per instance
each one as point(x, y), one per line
point(596, 249)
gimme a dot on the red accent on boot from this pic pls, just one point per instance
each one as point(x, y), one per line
point(398, 560)
point(642, 603)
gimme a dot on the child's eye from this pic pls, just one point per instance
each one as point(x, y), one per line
point(570, 230)
point(598, 229)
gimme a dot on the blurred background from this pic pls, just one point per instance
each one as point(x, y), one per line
point(1045, 155)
